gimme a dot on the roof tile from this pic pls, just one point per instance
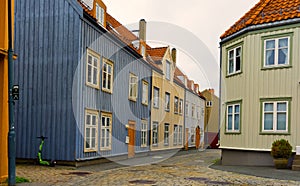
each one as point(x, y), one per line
point(266, 11)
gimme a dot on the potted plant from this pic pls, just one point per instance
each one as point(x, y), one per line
point(281, 152)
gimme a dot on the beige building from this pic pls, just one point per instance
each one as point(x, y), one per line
point(167, 113)
point(261, 82)
point(211, 118)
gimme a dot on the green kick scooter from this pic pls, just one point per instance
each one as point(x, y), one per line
point(39, 155)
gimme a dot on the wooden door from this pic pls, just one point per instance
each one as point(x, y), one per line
point(131, 135)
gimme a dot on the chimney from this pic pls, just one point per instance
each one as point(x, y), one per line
point(196, 88)
point(212, 91)
point(174, 53)
point(142, 33)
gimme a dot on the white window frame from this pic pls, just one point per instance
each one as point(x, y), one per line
point(100, 14)
point(156, 97)
point(275, 112)
point(233, 130)
point(107, 129)
point(145, 87)
point(144, 133)
point(167, 101)
point(180, 135)
point(193, 135)
point(168, 70)
point(133, 84)
point(176, 105)
point(276, 51)
point(88, 124)
point(186, 108)
point(166, 134)
point(176, 135)
point(105, 75)
point(193, 111)
point(93, 56)
point(155, 133)
point(235, 56)
point(180, 106)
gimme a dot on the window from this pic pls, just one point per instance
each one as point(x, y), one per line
point(154, 133)
point(234, 60)
point(91, 126)
point(168, 70)
point(233, 118)
point(198, 112)
point(145, 93)
point(180, 106)
point(180, 135)
point(187, 109)
point(99, 14)
point(275, 116)
point(166, 134)
point(167, 101)
point(156, 97)
point(276, 52)
point(107, 75)
point(106, 123)
point(133, 87)
point(209, 104)
point(193, 110)
point(193, 132)
point(92, 69)
point(175, 135)
point(144, 130)
point(176, 105)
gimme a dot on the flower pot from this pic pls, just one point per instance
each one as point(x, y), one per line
point(281, 163)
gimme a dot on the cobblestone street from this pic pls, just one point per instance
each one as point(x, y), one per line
point(187, 168)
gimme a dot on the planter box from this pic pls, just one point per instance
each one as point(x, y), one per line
point(281, 163)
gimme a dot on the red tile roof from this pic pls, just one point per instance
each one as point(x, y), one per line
point(157, 53)
point(266, 11)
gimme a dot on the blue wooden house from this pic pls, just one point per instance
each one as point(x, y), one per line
point(81, 84)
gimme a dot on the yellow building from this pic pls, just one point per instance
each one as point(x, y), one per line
point(4, 88)
point(167, 113)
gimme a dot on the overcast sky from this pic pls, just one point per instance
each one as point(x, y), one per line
point(205, 19)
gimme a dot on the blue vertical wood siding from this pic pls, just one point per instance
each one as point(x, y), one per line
point(117, 103)
point(51, 40)
point(47, 41)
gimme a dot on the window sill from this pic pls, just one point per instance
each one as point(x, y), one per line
point(106, 90)
point(155, 107)
point(90, 150)
point(233, 74)
point(155, 145)
point(233, 133)
point(276, 67)
point(92, 86)
point(104, 149)
point(167, 110)
point(144, 146)
point(145, 104)
point(275, 133)
point(132, 99)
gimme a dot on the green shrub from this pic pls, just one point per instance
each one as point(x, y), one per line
point(281, 149)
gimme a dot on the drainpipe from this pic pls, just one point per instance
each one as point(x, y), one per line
point(11, 133)
point(220, 94)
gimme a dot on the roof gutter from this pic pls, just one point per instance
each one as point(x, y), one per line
point(259, 27)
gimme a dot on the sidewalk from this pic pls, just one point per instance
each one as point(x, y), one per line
point(191, 167)
point(265, 172)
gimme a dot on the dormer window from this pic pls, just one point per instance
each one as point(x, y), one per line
point(99, 14)
point(168, 70)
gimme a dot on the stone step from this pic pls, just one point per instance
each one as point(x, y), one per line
point(296, 167)
point(296, 162)
point(297, 157)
